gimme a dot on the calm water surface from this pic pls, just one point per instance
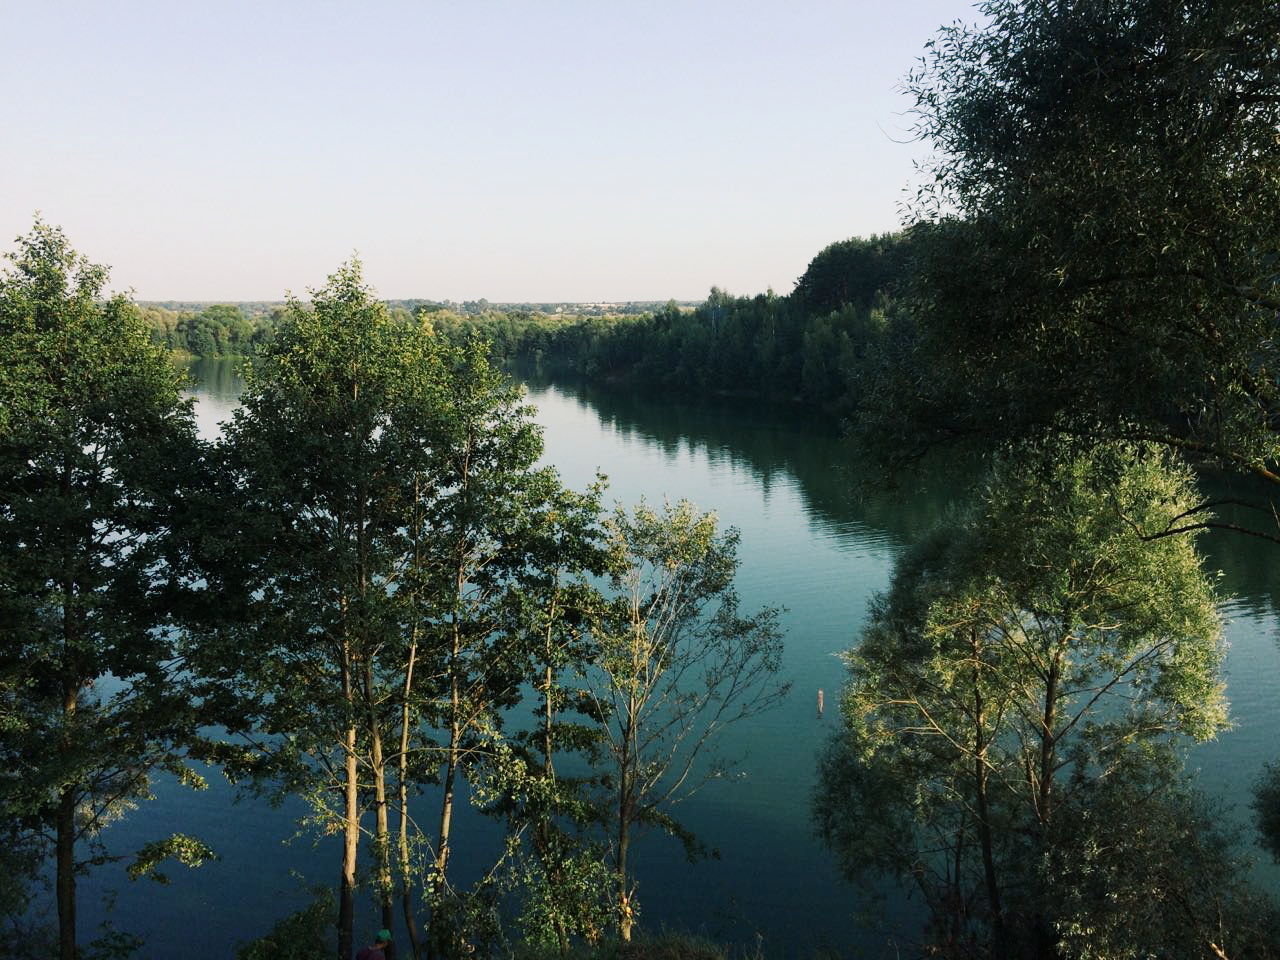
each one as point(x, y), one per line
point(808, 544)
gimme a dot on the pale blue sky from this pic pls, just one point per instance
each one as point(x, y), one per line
point(509, 150)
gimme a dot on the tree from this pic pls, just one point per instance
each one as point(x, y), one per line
point(1096, 256)
point(96, 450)
point(503, 531)
point(323, 464)
point(558, 869)
point(388, 507)
point(1031, 651)
point(1141, 865)
point(677, 663)
point(850, 273)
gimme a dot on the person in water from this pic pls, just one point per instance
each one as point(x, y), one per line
point(377, 949)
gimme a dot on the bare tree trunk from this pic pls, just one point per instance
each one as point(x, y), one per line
point(406, 720)
point(455, 708)
point(1045, 937)
point(381, 833)
point(446, 802)
point(625, 914)
point(65, 816)
point(1047, 743)
point(351, 822)
point(450, 779)
point(985, 838)
point(542, 830)
point(406, 890)
point(625, 917)
point(980, 775)
point(548, 718)
point(453, 759)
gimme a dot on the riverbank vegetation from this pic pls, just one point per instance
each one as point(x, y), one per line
point(348, 599)
point(1018, 706)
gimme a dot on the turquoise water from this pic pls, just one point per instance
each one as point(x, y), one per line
point(810, 544)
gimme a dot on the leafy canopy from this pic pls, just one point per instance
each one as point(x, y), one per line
point(1022, 655)
point(1098, 252)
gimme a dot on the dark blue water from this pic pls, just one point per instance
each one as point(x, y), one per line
point(809, 543)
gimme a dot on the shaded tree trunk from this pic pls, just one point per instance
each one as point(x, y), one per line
point(625, 915)
point(542, 830)
point(406, 720)
point(450, 780)
point(65, 815)
point(1044, 798)
point(1044, 936)
point(625, 919)
point(985, 840)
point(66, 878)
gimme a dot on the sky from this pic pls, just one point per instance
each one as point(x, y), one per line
point(543, 150)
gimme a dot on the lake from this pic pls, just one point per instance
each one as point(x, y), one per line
point(809, 544)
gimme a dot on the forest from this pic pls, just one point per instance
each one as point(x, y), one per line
point(352, 595)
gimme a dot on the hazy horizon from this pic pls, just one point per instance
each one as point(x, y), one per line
point(564, 152)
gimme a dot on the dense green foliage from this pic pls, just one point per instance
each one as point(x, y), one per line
point(217, 330)
point(1034, 669)
point(1146, 866)
point(407, 575)
point(1097, 247)
point(96, 451)
point(359, 585)
point(816, 346)
point(1096, 252)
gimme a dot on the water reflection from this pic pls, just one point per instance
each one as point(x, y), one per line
point(777, 447)
point(1251, 573)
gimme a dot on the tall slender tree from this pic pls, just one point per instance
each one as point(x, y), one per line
point(678, 662)
point(96, 447)
point(500, 525)
point(547, 790)
point(323, 458)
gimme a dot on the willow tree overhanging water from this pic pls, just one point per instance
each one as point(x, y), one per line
point(1016, 713)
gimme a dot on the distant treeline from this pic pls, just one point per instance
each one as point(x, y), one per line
point(813, 346)
point(240, 329)
point(482, 307)
point(217, 330)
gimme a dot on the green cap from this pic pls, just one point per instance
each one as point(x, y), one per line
point(384, 935)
